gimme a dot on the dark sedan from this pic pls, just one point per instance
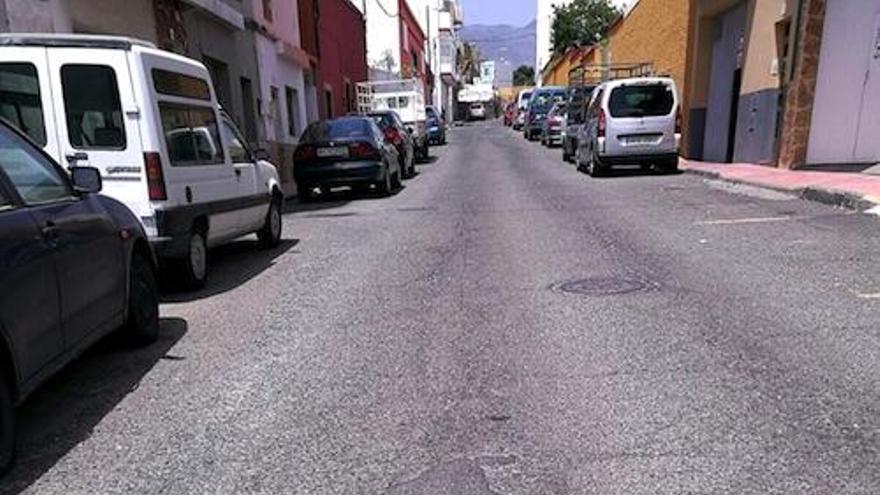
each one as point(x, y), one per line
point(348, 151)
point(436, 126)
point(75, 266)
point(395, 131)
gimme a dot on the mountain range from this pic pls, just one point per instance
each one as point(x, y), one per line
point(508, 46)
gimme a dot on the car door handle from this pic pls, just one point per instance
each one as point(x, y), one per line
point(238, 172)
point(49, 230)
point(76, 157)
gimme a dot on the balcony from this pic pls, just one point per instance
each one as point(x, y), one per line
point(448, 49)
point(220, 10)
point(455, 12)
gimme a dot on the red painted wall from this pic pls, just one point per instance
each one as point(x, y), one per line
point(343, 47)
point(412, 41)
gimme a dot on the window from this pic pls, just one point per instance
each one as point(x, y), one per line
point(328, 102)
point(174, 84)
point(247, 108)
point(20, 102)
point(36, 178)
point(643, 100)
point(91, 102)
point(238, 152)
point(191, 135)
point(292, 97)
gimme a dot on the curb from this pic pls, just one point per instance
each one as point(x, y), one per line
point(809, 193)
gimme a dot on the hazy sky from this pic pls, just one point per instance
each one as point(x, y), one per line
point(514, 12)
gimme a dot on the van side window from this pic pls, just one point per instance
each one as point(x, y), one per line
point(174, 84)
point(20, 102)
point(191, 135)
point(91, 102)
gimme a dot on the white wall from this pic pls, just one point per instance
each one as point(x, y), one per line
point(383, 30)
point(544, 22)
point(845, 127)
point(280, 73)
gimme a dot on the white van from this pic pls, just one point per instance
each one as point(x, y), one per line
point(149, 121)
point(634, 121)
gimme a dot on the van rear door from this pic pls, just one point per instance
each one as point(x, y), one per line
point(641, 118)
point(26, 96)
point(98, 120)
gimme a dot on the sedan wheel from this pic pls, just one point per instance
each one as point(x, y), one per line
point(142, 326)
point(7, 426)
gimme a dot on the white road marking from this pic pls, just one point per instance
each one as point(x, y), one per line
point(737, 221)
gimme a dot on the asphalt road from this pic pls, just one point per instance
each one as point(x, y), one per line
point(726, 341)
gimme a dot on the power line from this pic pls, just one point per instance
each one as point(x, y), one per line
point(384, 10)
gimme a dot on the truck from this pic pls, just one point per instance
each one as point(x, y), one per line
point(406, 97)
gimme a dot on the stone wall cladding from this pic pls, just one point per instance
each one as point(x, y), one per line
point(170, 29)
point(802, 88)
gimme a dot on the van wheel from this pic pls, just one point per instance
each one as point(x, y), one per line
point(595, 168)
point(142, 325)
point(270, 234)
point(7, 426)
point(195, 266)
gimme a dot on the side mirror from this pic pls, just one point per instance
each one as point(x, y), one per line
point(262, 155)
point(86, 180)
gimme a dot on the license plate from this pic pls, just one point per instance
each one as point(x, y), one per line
point(646, 139)
point(335, 152)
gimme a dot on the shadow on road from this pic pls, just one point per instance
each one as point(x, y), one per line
point(64, 411)
point(232, 265)
point(630, 172)
point(428, 161)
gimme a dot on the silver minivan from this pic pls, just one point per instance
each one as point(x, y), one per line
point(632, 121)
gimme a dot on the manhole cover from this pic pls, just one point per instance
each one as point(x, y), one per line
point(601, 286)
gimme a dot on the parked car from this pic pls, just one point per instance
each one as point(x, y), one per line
point(436, 126)
point(395, 131)
point(540, 103)
point(149, 121)
point(75, 266)
point(348, 151)
point(631, 121)
point(554, 125)
point(578, 98)
point(477, 111)
point(406, 97)
point(522, 104)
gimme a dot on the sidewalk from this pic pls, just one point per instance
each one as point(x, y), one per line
point(847, 189)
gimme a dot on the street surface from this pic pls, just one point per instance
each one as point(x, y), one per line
point(423, 344)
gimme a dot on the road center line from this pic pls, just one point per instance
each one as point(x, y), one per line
point(737, 221)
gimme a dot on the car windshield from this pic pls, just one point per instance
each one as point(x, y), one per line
point(642, 100)
point(344, 128)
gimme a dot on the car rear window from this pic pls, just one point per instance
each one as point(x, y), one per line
point(384, 121)
point(643, 100)
point(546, 99)
point(337, 129)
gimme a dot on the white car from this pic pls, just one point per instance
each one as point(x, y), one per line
point(633, 121)
point(150, 122)
point(477, 111)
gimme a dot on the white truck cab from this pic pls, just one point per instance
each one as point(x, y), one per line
point(406, 97)
point(149, 121)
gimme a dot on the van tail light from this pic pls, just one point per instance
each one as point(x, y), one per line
point(363, 150)
point(602, 124)
point(394, 136)
point(678, 121)
point(305, 152)
point(155, 179)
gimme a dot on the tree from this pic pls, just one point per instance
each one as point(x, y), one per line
point(524, 75)
point(581, 23)
point(468, 61)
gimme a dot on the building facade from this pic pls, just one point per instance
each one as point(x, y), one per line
point(343, 64)
point(543, 28)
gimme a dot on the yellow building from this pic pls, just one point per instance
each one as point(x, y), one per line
point(556, 73)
